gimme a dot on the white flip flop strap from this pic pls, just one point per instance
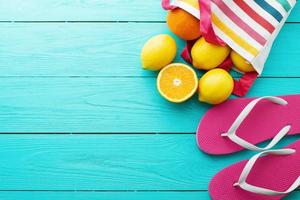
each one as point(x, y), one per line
point(231, 133)
point(259, 190)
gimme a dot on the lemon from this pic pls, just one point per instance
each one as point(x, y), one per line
point(177, 82)
point(241, 63)
point(208, 56)
point(215, 86)
point(158, 52)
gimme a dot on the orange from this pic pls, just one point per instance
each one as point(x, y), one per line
point(177, 82)
point(183, 24)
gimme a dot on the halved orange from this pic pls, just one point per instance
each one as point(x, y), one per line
point(177, 82)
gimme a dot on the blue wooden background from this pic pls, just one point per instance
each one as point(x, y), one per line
point(79, 119)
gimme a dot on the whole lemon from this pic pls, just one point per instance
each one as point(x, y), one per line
point(241, 63)
point(158, 52)
point(183, 24)
point(215, 86)
point(208, 56)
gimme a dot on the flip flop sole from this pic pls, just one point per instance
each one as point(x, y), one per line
point(263, 123)
point(271, 171)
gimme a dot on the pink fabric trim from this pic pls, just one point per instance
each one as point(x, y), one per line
point(242, 86)
point(206, 26)
point(167, 5)
point(227, 64)
point(185, 54)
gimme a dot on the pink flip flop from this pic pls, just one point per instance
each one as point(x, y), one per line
point(270, 177)
point(242, 123)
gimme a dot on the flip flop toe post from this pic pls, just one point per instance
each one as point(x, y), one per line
point(269, 175)
point(243, 123)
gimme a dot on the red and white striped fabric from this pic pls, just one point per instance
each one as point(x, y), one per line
point(247, 26)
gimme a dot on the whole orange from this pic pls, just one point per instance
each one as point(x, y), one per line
point(183, 24)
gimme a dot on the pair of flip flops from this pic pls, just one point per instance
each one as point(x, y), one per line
point(242, 124)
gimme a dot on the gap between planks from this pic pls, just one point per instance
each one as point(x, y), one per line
point(140, 22)
point(97, 133)
point(140, 77)
point(103, 191)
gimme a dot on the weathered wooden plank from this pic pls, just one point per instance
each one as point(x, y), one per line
point(105, 105)
point(106, 49)
point(104, 195)
point(108, 162)
point(113, 195)
point(89, 10)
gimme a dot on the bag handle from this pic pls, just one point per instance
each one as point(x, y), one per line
point(241, 86)
point(244, 84)
point(206, 27)
point(166, 4)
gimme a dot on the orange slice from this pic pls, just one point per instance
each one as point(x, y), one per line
point(177, 82)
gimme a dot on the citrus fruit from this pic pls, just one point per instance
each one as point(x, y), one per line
point(241, 63)
point(158, 52)
point(208, 56)
point(183, 24)
point(215, 86)
point(177, 82)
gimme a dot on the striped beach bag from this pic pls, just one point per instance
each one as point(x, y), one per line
point(249, 27)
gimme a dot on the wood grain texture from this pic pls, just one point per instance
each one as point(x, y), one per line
point(85, 78)
point(105, 195)
point(114, 195)
point(107, 49)
point(89, 10)
point(106, 105)
point(109, 162)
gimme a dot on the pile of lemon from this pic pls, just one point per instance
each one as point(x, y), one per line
point(178, 82)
